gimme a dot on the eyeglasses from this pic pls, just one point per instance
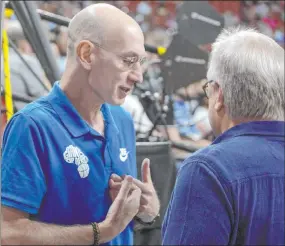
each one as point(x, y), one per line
point(205, 87)
point(126, 62)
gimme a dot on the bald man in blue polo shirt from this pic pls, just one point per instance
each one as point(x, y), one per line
point(69, 159)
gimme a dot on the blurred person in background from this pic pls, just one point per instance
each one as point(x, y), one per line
point(191, 125)
point(61, 41)
point(23, 81)
point(199, 129)
point(191, 114)
point(232, 192)
point(53, 7)
point(266, 16)
point(133, 105)
point(55, 50)
point(231, 19)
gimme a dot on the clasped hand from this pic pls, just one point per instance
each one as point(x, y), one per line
point(149, 202)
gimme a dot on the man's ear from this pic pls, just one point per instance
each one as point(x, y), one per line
point(84, 51)
point(219, 104)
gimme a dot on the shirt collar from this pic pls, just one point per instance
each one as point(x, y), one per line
point(70, 117)
point(110, 125)
point(258, 128)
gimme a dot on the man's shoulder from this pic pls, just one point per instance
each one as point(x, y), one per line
point(40, 110)
point(26, 124)
point(218, 150)
point(211, 159)
point(238, 159)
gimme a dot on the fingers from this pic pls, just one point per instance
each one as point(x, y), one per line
point(145, 171)
point(144, 187)
point(114, 185)
point(125, 188)
point(135, 196)
point(116, 177)
point(142, 208)
point(115, 181)
point(136, 191)
point(117, 185)
point(113, 194)
point(144, 200)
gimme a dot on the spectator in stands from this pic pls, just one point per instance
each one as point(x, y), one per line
point(192, 120)
point(24, 83)
point(135, 108)
point(232, 192)
point(61, 42)
point(265, 16)
point(144, 123)
point(230, 19)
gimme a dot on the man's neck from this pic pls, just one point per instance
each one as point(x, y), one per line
point(85, 104)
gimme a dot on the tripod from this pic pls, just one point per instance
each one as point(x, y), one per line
point(154, 101)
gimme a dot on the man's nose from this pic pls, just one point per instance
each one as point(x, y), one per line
point(136, 74)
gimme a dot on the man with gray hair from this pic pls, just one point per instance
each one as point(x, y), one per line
point(232, 192)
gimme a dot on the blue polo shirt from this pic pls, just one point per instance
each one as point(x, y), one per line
point(232, 192)
point(56, 167)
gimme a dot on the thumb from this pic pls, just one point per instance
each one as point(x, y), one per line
point(145, 171)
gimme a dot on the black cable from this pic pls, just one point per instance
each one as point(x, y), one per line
point(54, 18)
point(51, 73)
point(31, 35)
point(18, 97)
point(24, 99)
point(13, 46)
point(160, 118)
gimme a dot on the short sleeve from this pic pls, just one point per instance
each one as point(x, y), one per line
point(22, 179)
point(200, 211)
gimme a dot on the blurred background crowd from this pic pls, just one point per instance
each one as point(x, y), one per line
point(157, 20)
point(155, 17)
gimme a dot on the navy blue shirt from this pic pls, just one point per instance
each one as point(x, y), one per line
point(56, 167)
point(231, 192)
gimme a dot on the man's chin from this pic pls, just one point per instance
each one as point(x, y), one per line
point(117, 101)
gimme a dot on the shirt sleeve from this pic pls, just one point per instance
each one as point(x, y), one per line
point(200, 211)
point(22, 179)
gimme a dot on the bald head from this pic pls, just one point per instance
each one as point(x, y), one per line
point(100, 23)
point(105, 56)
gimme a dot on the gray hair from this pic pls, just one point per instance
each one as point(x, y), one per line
point(249, 67)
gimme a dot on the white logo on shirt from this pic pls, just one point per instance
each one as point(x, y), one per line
point(123, 154)
point(73, 154)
